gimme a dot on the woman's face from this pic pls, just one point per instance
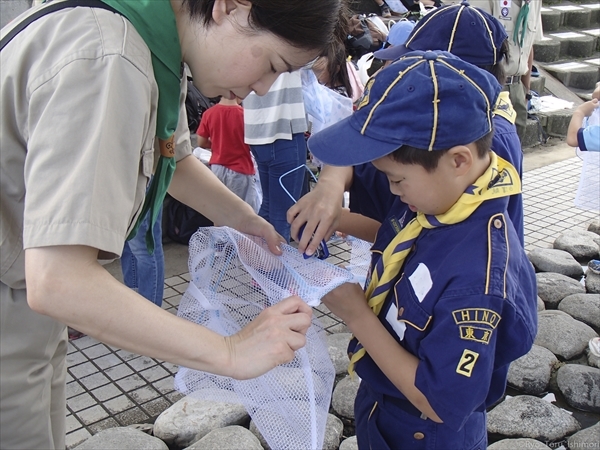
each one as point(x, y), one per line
point(227, 58)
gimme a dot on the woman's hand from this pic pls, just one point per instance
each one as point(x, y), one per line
point(269, 340)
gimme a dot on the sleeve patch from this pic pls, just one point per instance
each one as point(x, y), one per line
point(467, 363)
point(476, 324)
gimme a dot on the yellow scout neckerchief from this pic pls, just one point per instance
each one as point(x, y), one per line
point(499, 180)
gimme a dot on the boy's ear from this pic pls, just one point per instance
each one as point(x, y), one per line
point(461, 159)
point(224, 8)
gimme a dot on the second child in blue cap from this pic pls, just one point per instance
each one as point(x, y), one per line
point(450, 299)
point(480, 39)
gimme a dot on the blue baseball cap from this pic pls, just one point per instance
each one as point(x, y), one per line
point(428, 100)
point(463, 30)
point(400, 32)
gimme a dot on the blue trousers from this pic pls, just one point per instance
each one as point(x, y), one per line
point(382, 425)
point(143, 272)
point(273, 160)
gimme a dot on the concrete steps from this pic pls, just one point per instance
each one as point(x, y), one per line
point(568, 59)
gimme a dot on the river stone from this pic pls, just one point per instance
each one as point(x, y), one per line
point(531, 372)
point(518, 444)
point(338, 351)
point(526, 416)
point(594, 227)
point(562, 335)
point(331, 440)
point(581, 386)
point(232, 437)
point(586, 438)
point(120, 438)
point(592, 360)
point(350, 443)
point(583, 307)
point(555, 261)
point(540, 304)
point(344, 395)
point(582, 245)
point(553, 287)
point(592, 283)
point(190, 419)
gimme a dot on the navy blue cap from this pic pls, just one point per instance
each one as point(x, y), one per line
point(428, 100)
point(463, 30)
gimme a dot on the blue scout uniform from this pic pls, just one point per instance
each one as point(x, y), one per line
point(464, 326)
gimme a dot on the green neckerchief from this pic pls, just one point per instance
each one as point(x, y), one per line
point(521, 24)
point(154, 20)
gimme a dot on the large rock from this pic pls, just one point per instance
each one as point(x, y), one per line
point(349, 444)
point(562, 335)
point(540, 304)
point(190, 419)
point(120, 439)
point(338, 351)
point(531, 417)
point(553, 287)
point(344, 395)
point(331, 440)
point(518, 444)
point(581, 386)
point(583, 307)
point(586, 438)
point(231, 437)
point(555, 261)
point(592, 282)
point(582, 245)
point(531, 372)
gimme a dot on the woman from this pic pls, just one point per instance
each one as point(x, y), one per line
point(80, 109)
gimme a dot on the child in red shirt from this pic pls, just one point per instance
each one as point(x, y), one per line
point(222, 131)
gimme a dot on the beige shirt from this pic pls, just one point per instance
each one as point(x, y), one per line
point(78, 104)
point(518, 55)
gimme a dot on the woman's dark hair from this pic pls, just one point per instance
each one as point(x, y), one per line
point(498, 69)
point(306, 24)
point(337, 68)
point(429, 160)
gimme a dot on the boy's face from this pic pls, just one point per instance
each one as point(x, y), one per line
point(427, 192)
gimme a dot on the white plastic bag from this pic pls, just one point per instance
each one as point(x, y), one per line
point(588, 190)
point(323, 105)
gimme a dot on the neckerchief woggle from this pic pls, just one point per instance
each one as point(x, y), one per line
point(499, 180)
point(155, 21)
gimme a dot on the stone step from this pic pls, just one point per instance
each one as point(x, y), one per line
point(577, 16)
point(576, 74)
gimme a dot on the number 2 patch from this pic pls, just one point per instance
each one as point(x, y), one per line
point(467, 363)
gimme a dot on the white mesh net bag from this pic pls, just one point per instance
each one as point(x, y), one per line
point(233, 278)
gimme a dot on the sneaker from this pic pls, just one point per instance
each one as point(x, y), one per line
point(594, 266)
point(594, 346)
point(385, 11)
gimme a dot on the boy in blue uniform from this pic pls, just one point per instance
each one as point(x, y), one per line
point(450, 299)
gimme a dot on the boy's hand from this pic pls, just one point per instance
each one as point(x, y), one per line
point(587, 108)
point(347, 302)
point(321, 213)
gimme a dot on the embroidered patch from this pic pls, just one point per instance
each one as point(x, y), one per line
point(476, 324)
point(364, 100)
point(467, 363)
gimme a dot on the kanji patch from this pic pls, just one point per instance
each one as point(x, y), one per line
point(476, 324)
point(467, 363)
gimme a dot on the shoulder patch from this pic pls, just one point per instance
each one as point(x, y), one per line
point(476, 324)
